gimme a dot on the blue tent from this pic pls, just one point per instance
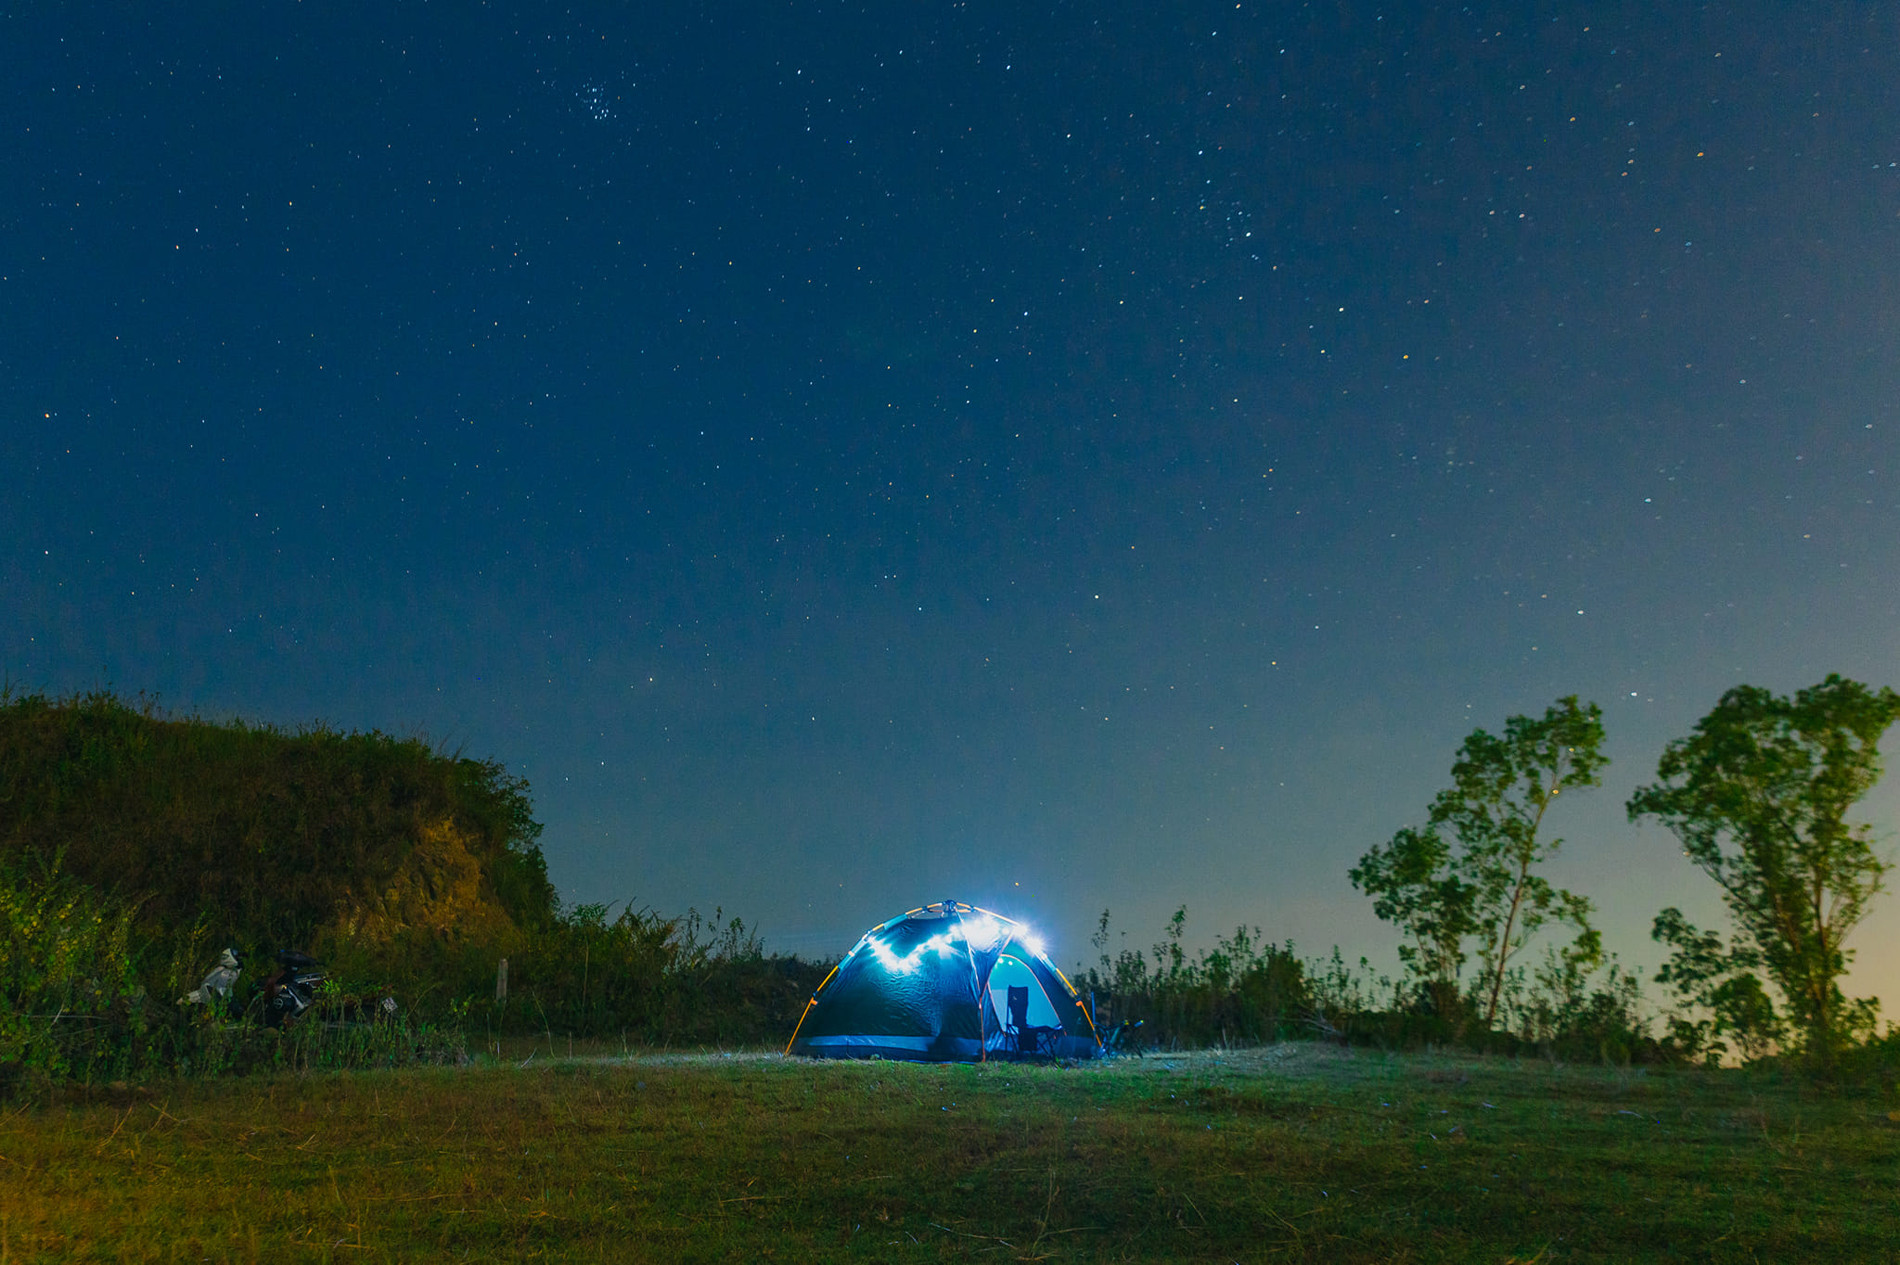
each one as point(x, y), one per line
point(947, 983)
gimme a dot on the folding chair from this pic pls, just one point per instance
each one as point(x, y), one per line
point(1019, 1018)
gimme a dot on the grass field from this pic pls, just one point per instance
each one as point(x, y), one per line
point(1291, 1153)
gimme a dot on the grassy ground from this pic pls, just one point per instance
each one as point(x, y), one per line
point(1292, 1153)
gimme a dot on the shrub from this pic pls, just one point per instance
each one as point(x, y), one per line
point(1243, 991)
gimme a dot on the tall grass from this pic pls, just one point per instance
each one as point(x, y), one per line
point(1598, 1017)
point(1248, 990)
point(641, 977)
point(686, 980)
point(71, 1003)
point(84, 999)
point(1245, 990)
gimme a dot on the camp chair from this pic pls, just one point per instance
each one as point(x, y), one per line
point(1018, 1018)
point(1122, 1038)
point(1026, 1038)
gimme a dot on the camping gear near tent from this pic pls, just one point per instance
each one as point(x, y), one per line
point(217, 986)
point(947, 983)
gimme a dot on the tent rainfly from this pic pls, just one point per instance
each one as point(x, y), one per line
point(948, 983)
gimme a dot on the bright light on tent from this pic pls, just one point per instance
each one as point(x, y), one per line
point(1032, 943)
point(981, 929)
point(912, 960)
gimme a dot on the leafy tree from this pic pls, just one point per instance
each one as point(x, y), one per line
point(1501, 789)
point(1412, 887)
point(1758, 797)
point(1709, 976)
point(1489, 889)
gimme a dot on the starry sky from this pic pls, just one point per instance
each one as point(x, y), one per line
point(1058, 456)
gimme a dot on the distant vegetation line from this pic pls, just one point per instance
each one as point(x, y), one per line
point(136, 845)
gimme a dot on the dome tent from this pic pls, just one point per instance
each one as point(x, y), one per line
point(946, 983)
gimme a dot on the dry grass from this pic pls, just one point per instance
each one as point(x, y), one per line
point(1294, 1152)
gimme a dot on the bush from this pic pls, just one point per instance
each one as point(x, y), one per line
point(1243, 991)
point(71, 1003)
point(83, 999)
point(650, 979)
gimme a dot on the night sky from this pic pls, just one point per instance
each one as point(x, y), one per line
point(1058, 457)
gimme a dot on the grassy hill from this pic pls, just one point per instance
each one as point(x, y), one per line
point(273, 838)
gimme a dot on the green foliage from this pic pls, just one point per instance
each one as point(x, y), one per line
point(1557, 1011)
point(1242, 991)
point(1414, 888)
point(1488, 889)
point(67, 980)
point(85, 998)
point(1758, 796)
point(650, 980)
point(1582, 1005)
point(1718, 998)
point(1350, 1003)
point(1501, 789)
point(77, 1002)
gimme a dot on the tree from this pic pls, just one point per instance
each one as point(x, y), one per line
point(1502, 786)
point(1758, 796)
point(1412, 887)
point(1501, 789)
point(1708, 975)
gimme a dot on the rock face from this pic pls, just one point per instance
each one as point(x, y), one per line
point(436, 890)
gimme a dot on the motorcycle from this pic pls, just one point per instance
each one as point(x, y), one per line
point(292, 988)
